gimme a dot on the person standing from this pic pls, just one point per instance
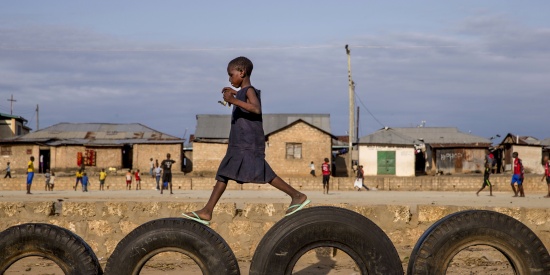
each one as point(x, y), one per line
point(30, 174)
point(166, 166)
point(85, 182)
point(78, 178)
point(52, 181)
point(8, 170)
point(138, 180)
point(41, 160)
point(312, 168)
point(102, 177)
point(158, 173)
point(546, 175)
point(47, 178)
point(325, 169)
point(129, 179)
point(151, 168)
point(518, 176)
point(486, 181)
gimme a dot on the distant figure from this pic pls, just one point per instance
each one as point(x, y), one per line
point(129, 180)
point(167, 172)
point(138, 180)
point(85, 182)
point(360, 179)
point(151, 168)
point(8, 171)
point(244, 160)
point(518, 176)
point(546, 175)
point(490, 159)
point(312, 168)
point(47, 178)
point(52, 181)
point(102, 177)
point(158, 173)
point(486, 181)
point(78, 178)
point(30, 174)
point(325, 169)
point(41, 160)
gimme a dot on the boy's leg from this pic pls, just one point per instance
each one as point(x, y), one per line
point(297, 196)
point(328, 184)
point(206, 212)
point(514, 189)
point(490, 190)
point(521, 192)
point(170, 183)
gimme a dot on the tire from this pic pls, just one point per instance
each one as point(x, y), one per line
point(290, 238)
point(199, 242)
point(72, 254)
point(443, 240)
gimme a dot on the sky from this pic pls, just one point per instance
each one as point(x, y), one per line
point(481, 66)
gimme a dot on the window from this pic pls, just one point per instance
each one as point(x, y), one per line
point(19, 130)
point(5, 150)
point(293, 150)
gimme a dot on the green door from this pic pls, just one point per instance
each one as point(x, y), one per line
point(386, 162)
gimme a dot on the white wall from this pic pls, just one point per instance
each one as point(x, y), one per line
point(531, 157)
point(404, 160)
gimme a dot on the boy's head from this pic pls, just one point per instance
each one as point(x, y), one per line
point(487, 165)
point(168, 156)
point(47, 170)
point(84, 174)
point(102, 169)
point(241, 64)
point(32, 158)
point(326, 159)
point(545, 158)
point(515, 155)
point(137, 170)
point(8, 163)
point(151, 159)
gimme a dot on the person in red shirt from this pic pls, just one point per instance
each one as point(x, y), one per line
point(325, 168)
point(138, 180)
point(517, 178)
point(546, 174)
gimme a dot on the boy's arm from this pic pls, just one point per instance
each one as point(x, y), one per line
point(252, 103)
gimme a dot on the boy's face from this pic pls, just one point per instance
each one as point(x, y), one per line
point(235, 77)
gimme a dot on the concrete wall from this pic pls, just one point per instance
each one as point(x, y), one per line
point(142, 154)
point(316, 146)
point(207, 157)
point(532, 183)
point(20, 157)
point(103, 224)
point(531, 157)
point(404, 158)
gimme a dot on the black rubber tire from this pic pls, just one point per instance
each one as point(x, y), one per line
point(447, 237)
point(199, 242)
point(72, 254)
point(324, 226)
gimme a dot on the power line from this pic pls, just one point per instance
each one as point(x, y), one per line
point(368, 111)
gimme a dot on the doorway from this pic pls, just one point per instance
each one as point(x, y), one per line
point(127, 156)
point(44, 160)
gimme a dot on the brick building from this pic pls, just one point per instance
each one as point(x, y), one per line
point(12, 126)
point(292, 142)
point(66, 146)
point(413, 151)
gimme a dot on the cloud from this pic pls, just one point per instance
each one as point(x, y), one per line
point(485, 74)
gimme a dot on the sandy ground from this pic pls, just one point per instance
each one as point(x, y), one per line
point(474, 260)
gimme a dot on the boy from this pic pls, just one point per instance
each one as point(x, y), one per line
point(78, 178)
point(138, 180)
point(244, 160)
point(8, 171)
point(546, 175)
point(30, 174)
point(129, 180)
point(151, 168)
point(102, 177)
point(47, 178)
point(85, 182)
point(486, 181)
point(158, 174)
point(167, 172)
point(325, 169)
point(312, 168)
point(517, 178)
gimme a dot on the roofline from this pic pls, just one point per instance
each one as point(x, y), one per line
point(294, 123)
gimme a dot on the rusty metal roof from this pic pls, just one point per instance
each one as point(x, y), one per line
point(97, 134)
point(439, 136)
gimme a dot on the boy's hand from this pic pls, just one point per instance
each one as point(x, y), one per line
point(229, 94)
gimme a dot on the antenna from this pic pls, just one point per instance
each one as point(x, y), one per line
point(11, 100)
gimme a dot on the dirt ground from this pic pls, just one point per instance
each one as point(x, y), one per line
point(473, 260)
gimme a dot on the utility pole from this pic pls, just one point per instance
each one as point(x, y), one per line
point(11, 100)
point(37, 119)
point(357, 127)
point(351, 89)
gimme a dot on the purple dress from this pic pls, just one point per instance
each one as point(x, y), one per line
point(244, 160)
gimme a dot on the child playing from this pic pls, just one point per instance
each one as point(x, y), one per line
point(546, 175)
point(158, 173)
point(486, 181)
point(52, 181)
point(138, 180)
point(30, 174)
point(85, 182)
point(244, 160)
point(129, 180)
point(517, 178)
point(47, 178)
point(8, 170)
point(102, 177)
point(325, 169)
point(78, 178)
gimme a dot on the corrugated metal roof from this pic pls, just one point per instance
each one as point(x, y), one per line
point(96, 134)
point(218, 126)
point(545, 142)
point(428, 135)
point(521, 140)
